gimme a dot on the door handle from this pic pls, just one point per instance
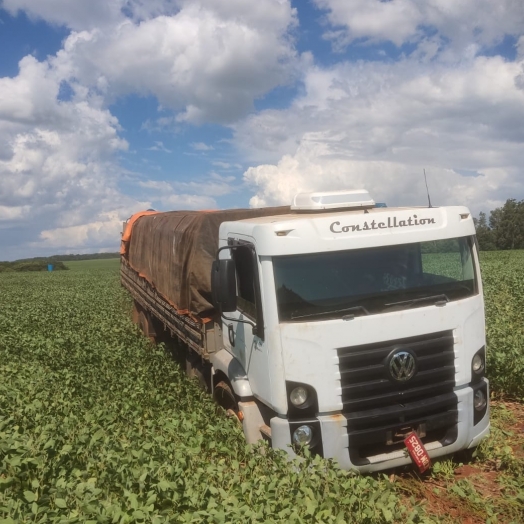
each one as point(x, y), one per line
point(231, 334)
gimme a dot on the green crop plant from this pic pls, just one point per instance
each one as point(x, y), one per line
point(503, 279)
point(99, 426)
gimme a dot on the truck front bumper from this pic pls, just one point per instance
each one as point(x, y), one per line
point(335, 442)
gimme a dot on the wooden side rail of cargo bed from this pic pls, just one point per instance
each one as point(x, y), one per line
point(202, 338)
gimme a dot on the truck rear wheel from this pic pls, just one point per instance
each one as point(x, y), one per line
point(196, 370)
point(146, 326)
point(226, 398)
point(135, 313)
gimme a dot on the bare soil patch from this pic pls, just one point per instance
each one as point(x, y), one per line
point(474, 490)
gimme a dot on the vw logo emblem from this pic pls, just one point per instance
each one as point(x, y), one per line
point(402, 366)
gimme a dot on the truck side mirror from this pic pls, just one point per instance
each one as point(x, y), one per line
point(224, 285)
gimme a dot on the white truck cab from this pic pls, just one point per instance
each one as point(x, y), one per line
point(347, 326)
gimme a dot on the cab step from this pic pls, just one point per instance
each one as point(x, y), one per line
point(266, 431)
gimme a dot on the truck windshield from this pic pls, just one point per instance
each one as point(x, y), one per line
point(343, 284)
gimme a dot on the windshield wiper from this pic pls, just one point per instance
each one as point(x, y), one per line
point(352, 309)
point(438, 300)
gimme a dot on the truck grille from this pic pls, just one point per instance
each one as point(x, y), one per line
point(380, 410)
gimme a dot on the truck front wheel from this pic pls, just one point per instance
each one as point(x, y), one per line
point(226, 398)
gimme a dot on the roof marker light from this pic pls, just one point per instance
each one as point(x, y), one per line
point(356, 198)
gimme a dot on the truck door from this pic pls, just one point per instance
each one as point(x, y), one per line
point(240, 338)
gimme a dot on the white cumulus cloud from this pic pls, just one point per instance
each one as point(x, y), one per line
point(463, 22)
point(378, 125)
point(57, 169)
point(203, 61)
point(442, 106)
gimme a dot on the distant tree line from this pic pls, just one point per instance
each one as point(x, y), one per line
point(41, 263)
point(31, 265)
point(91, 256)
point(504, 229)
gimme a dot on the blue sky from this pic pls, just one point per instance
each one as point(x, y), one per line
point(112, 106)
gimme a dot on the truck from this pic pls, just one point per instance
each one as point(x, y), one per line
point(330, 323)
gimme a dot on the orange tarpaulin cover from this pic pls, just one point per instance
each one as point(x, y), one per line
point(129, 227)
point(174, 252)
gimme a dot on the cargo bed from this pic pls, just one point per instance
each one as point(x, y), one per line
point(203, 338)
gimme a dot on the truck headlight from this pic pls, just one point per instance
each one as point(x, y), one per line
point(303, 435)
point(479, 400)
point(302, 401)
point(298, 396)
point(477, 364)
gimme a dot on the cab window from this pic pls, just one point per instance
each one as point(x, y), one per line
point(244, 262)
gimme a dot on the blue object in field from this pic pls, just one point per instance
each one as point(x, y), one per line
point(50, 267)
point(380, 204)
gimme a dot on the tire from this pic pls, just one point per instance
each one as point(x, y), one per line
point(135, 313)
point(199, 373)
point(467, 456)
point(226, 398)
point(146, 326)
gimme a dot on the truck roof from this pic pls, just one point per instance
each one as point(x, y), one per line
point(329, 230)
point(310, 215)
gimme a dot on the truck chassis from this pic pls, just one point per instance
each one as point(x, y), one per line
point(202, 339)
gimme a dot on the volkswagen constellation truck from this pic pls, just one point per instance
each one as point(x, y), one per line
point(332, 323)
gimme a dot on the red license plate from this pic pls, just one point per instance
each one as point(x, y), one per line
point(417, 451)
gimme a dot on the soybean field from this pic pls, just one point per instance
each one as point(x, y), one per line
point(97, 425)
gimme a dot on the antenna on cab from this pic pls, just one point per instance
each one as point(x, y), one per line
point(427, 190)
